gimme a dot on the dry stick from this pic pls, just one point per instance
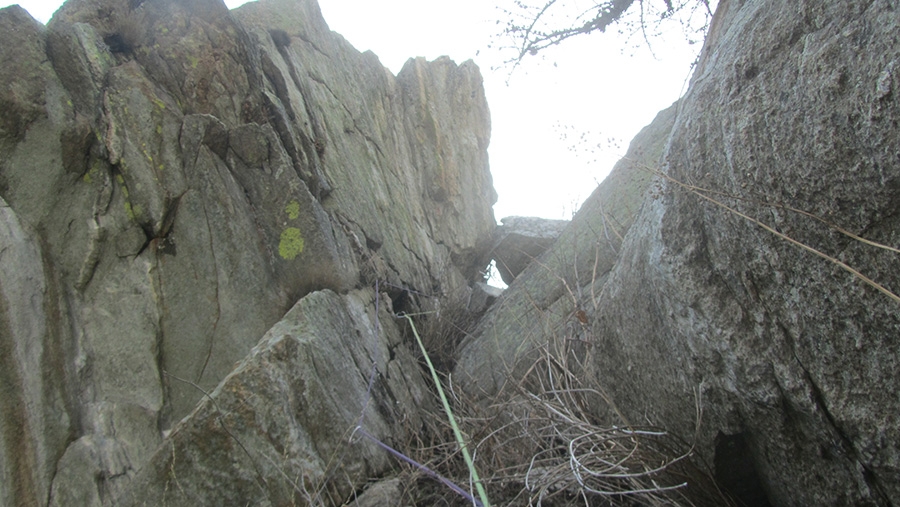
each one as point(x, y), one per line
point(841, 264)
point(399, 455)
point(832, 225)
point(611, 439)
point(699, 192)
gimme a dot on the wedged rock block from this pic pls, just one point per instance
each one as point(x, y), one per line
point(520, 241)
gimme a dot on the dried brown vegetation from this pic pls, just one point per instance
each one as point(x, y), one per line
point(540, 442)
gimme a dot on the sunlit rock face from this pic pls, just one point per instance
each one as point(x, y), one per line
point(732, 290)
point(177, 180)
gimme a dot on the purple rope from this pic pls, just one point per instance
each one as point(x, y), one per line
point(399, 455)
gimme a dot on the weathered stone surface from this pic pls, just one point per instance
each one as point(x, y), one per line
point(387, 492)
point(33, 420)
point(177, 180)
point(788, 135)
point(482, 297)
point(521, 240)
point(277, 429)
point(176, 177)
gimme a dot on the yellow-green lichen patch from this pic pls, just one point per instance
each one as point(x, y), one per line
point(291, 243)
point(132, 211)
point(293, 210)
point(93, 172)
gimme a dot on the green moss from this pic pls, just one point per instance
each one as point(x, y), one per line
point(292, 209)
point(291, 243)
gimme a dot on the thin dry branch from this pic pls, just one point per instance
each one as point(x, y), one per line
point(706, 194)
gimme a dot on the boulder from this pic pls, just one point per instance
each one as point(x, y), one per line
point(290, 417)
point(759, 281)
point(521, 240)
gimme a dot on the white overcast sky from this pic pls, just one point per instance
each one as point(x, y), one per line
point(602, 86)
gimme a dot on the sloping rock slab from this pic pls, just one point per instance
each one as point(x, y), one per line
point(279, 430)
point(789, 135)
point(547, 295)
point(175, 177)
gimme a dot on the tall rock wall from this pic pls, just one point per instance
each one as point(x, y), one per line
point(175, 178)
point(732, 290)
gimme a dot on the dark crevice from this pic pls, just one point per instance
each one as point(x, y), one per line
point(847, 446)
point(736, 472)
point(372, 244)
point(871, 479)
point(401, 300)
point(282, 116)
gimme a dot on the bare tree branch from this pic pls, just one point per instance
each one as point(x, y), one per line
point(534, 41)
point(534, 28)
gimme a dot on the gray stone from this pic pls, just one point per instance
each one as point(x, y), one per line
point(731, 291)
point(33, 422)
point(284, 422)
point(386, 492)
point(482, 297)
point(547, 294)
point(520, 241)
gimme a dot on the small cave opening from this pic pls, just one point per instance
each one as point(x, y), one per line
point(735, 471)
point(117, 43)
point(401, 301)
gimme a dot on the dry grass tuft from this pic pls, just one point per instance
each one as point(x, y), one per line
point(541, 444)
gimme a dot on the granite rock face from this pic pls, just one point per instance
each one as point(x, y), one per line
point(209, 218)
point(732, 289)
point(175, 178)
